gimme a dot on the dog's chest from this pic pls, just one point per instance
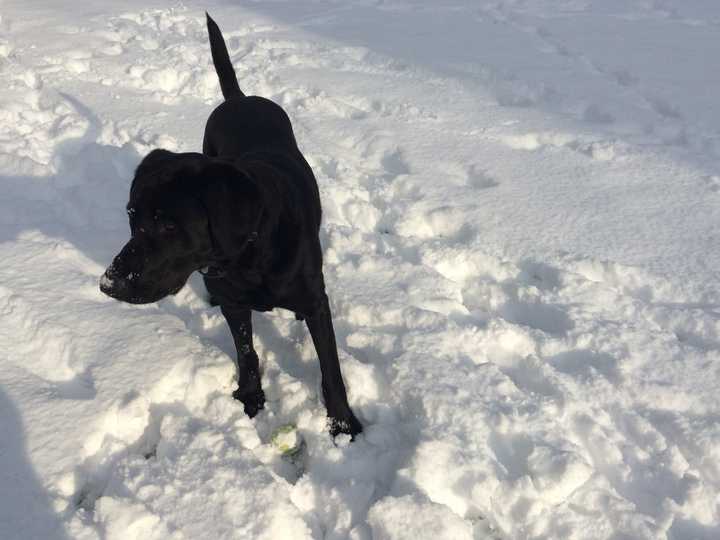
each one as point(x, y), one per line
point(249, 289)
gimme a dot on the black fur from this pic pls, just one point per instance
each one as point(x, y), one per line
point(248, 210)
point(221, 59)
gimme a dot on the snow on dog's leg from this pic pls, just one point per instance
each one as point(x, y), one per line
point(249, 389)
point(341, 417)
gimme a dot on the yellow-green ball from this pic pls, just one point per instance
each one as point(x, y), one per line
point(286, 440)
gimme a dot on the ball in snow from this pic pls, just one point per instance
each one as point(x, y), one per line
point(286, 439)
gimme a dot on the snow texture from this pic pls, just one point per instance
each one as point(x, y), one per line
point(522, 206)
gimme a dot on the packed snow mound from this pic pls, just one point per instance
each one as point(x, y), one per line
point(520, 232)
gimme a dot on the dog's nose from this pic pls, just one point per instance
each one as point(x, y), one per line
point(122, 276)
point(112, 283)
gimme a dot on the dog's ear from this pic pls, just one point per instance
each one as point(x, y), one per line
point(159, 167)
point(150, 170)
point(155, 161)
point(234, 204)
point(161, 162)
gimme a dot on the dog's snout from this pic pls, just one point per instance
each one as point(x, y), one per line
point(125, 269)
point(113, 282)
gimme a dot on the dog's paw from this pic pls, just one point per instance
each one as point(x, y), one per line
point(348, 426)
point(252, 403)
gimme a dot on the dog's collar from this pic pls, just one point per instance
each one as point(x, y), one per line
point(212, 272)
point(218, 264)
point(217, 268)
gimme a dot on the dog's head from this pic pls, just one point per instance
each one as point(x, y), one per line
point(185, 210)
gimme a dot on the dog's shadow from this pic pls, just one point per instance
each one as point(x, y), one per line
point(82, 202)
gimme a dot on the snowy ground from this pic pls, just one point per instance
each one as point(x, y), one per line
point(522, 215)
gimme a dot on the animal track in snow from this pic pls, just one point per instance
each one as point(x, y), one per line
point(713, 183)
point(546, 317)
point(479, 178)
point(600, 150)
point(394, 164)
point(471, 175)
point(587, 364)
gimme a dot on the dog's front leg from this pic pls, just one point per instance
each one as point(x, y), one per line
point(341, 417)
point(249, 389)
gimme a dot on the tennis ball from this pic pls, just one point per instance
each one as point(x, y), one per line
point(286, 439)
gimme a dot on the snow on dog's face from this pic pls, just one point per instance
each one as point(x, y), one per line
point(169, 230)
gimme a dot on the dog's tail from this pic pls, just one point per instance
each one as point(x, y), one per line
point(221, 59)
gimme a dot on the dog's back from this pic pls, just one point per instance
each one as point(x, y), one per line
point(242, 123)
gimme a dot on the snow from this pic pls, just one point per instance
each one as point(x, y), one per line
point(521, 223)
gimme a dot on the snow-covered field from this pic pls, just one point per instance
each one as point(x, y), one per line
point(522, 219)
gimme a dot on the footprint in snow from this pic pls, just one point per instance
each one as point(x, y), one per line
point(479, 178)
point(394, 164)
point(549, 318)
point(540, 275)
point(464, 175)
point(713, 183)
point(586, 364)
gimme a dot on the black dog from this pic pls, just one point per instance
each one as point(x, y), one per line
point(247, 211)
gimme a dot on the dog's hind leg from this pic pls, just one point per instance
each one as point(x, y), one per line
point(341, 417)
point(249, 389)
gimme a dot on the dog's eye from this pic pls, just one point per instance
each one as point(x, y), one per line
point(167, 227)
point(162, 224)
